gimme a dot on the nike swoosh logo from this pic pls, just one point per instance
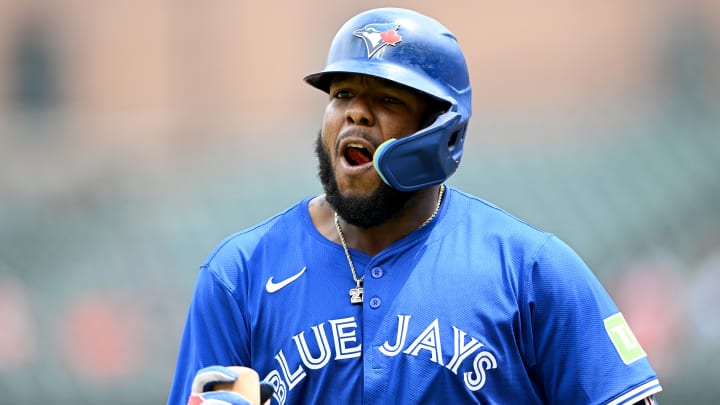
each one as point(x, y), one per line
point(273, 287)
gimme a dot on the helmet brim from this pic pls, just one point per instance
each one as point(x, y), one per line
point(392, 72)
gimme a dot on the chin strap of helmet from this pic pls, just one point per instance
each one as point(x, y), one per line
point(425, 158)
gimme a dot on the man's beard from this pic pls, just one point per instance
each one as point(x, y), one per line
point(366, 212)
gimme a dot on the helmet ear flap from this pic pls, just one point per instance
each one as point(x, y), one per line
point(425, 158)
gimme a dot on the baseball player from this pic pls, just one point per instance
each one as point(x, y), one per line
point(393, 287)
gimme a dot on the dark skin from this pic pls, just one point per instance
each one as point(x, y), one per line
point(365, 111)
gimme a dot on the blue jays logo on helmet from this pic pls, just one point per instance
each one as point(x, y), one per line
point(377, 36)
point(422, 55)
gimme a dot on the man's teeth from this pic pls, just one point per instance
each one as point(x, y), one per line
point(357, 154)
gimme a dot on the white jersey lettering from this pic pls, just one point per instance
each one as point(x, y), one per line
point(345, 333)
point(395, 349)
point(347, 346)
point(461, 351)
point(428, 340)
point(292, 378)
point(483, 361)
point(276, 380)
point(314, 363)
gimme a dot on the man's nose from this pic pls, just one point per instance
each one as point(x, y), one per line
point(359, 112)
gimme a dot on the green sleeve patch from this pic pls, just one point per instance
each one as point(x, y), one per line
point(623, 338)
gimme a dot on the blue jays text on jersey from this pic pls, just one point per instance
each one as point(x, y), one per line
point(476, 307)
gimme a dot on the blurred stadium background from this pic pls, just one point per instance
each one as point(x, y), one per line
point(135, 135)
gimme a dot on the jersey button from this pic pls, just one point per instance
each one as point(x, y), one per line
point(375, 302)
point(377, 272)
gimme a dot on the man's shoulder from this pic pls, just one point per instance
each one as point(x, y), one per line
point(472, 209)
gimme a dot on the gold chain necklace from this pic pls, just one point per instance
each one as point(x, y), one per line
point(356, 294)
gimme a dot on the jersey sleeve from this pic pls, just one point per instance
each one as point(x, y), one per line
point(582, 350)
point(213, 333)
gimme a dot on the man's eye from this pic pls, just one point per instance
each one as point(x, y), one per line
point(342, 94)
point(392, 100)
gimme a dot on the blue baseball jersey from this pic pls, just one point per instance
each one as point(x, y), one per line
point(475, 307)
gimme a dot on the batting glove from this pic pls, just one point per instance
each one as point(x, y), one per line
point(204, 381)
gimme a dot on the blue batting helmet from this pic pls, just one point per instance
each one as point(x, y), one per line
point(417, 51)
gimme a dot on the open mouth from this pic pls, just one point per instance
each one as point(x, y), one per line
point(357, 155)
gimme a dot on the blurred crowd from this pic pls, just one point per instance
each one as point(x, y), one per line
point(134, 135)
